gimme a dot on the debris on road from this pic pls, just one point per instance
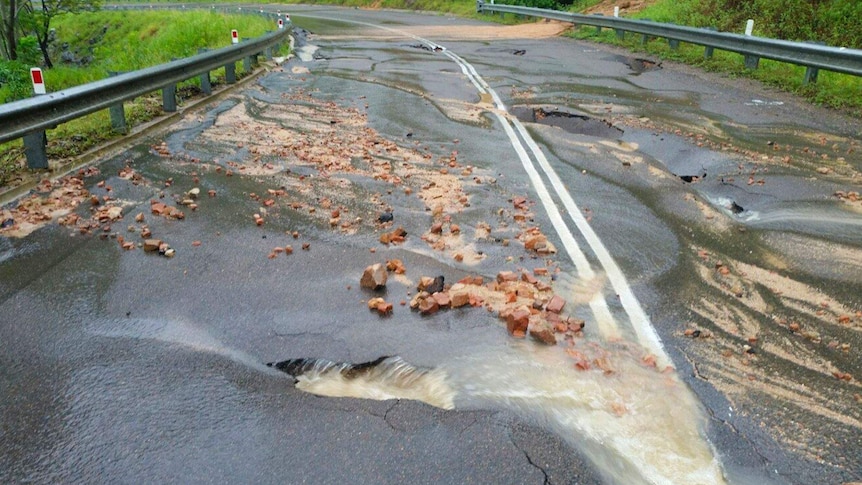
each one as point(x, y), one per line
point(380, 305)
point(374, 277)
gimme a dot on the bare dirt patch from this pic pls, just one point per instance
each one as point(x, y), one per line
point(537, 30)
point(606, 7)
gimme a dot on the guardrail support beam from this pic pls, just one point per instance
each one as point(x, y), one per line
point(36, 149)
point(673, 43)
point(621, 34)
point(206, 84)
point(811, 72)
point(230, 73)
point(118, 113)
point(810, 75)
point(751, 62)
point(169, 98)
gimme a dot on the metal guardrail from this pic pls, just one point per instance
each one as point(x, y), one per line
point(33, 115)
point(813, 56)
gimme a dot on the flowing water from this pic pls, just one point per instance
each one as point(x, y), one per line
point(636, 424)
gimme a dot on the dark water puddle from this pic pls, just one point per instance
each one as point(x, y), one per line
point(570, 122)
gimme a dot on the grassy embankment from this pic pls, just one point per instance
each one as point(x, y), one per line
point(125, 41)
point(835, 23)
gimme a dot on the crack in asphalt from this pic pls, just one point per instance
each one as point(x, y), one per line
point(385, 416)
point(695, 370)
point(547, 479)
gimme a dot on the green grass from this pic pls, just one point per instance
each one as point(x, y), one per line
point(127, 41)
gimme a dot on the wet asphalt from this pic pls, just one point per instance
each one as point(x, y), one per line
point(125, 366)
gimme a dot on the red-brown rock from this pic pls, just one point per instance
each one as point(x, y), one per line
point(542, 332)
point(517, 320)
point(556, 304)
point(374, 277)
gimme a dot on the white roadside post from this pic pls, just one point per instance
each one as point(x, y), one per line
point(36, 143)
point(621, 34)
point(751, 62)
point(234, 37)
point(280, 24)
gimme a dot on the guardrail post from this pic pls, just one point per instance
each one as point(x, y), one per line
point(36, 143)
point(230, 73)
point(206, 84)
point(811, 72)
point(36, 149)
point(673, 43)
point(249, 61)
point(118, 113)
point(169, 98)
point(709, 50)
point(751, 62)
point(645, 38)
point(598, 28)
point(621, 34)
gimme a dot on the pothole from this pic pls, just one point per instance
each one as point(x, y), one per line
point(639, 65)
point(570, 122)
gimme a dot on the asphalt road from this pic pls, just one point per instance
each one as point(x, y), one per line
point(124, 365)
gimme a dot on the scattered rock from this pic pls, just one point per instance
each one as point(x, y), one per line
point(396, 266)
point(428, 306)
point(517, 320)
point(152, 245)
point(459, 295)
point(442, 298)
point(435, 286)
point(556, 304)
point(543, 333)
point(374, 277)
point(380, 305)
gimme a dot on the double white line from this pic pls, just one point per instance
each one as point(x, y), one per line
point(640, 322)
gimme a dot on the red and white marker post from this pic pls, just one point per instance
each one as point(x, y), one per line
point(38, 81)
point(280, 24)
point(287, 17)
point(234, 37)
point(35, 143)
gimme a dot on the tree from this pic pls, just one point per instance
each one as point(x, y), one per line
point(38, 20)
point(9, 19)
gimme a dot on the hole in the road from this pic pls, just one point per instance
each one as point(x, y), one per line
point(573, 123)
point(638, 65)
point(383, 378)
point(692, 178)
point(425, 47)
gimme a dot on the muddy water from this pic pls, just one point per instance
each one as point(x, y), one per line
point(637, 426)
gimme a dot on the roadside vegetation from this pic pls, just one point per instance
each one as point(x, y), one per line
point(87, 46)
point(834, 22)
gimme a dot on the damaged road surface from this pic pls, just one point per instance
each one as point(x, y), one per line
point(432, 250)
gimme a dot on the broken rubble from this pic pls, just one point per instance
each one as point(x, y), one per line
point(374, 277)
